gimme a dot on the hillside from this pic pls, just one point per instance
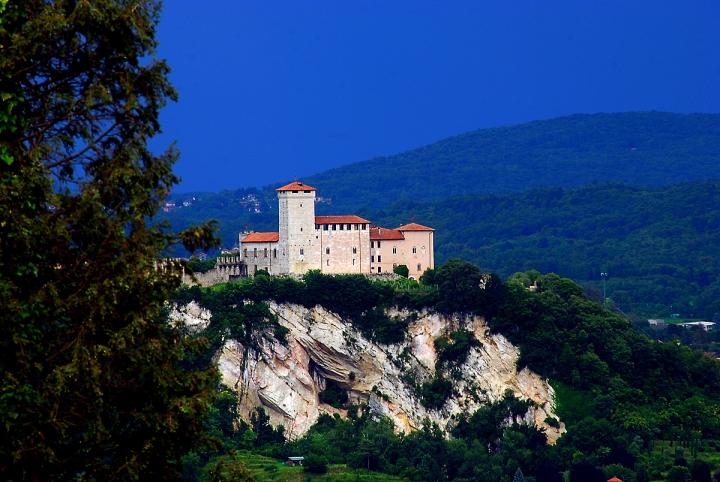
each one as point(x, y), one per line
point(538, 380)
point(659, 245)
point(643, 148)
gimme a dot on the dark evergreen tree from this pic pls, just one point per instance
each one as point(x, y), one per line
point(90, 383)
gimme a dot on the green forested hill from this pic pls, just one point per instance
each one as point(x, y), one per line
point(638, 148)
point(660, 246)
point(644, 148)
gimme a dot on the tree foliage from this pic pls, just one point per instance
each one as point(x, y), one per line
point(90, 384)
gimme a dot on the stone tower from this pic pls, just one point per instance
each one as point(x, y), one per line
point(298, 250)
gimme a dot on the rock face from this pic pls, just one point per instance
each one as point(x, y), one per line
point(286, 380)
point(195, 318)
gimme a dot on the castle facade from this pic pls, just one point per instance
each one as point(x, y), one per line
point(333, 244)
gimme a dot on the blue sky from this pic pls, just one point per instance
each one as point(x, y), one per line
point(270, 90)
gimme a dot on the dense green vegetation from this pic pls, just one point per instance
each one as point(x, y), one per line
point(659, 245)
point(633, 407)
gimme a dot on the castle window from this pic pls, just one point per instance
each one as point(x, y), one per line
point(334, 227)
point(414, 249)
point(327, 262)
point(266, 252)
point(245, 253)
point(378, 244)
point(300, 204)
point(342, 227)
point(302, 251)
point(300, 229)
point(354, 249)
point(327, 250)
point(348, 227)
point(423, 250)
point(274, 253)
point(255, 253)
point(353, 261)
point(372, 259)
point(379, 258)
point(379, 269)
point(363, 226)
point(394, 250)
point(419, 269)
point(372, 244)
point(325, 227)
point(294, 192)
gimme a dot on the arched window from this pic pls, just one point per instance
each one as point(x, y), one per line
point(423, 250)
point(419, 269)
point(327, 250)
point(394, 250)
point(354, 249)
point(302, 251)
point(414, 249)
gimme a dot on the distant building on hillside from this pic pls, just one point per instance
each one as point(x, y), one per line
point(705, 325)
point(333, 244)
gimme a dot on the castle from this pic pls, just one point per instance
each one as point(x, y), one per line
point(333, 244)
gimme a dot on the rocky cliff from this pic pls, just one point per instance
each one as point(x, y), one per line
point(286, 378)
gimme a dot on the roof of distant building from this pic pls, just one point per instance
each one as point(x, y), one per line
point(296, 186)
point(340, 220)
point(414, 227)
point(261, 238)
point(384, 234)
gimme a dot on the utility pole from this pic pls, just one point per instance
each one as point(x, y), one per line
point(604, 275)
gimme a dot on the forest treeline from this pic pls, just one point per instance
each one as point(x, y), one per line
point(659, 246)
point(619, 393)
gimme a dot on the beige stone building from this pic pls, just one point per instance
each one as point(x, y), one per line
point(333, 244)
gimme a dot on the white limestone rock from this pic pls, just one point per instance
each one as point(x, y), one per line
point(192, 316)
point(286, 380)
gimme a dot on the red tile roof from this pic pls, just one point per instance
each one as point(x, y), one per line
point(296, 186)
point(383, 234)
point(414, 227)
point(340, 220)
point(261, 238)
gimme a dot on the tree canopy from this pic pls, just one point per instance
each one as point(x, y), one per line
point(90, 384)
